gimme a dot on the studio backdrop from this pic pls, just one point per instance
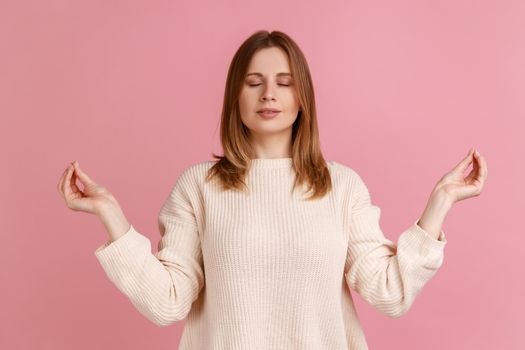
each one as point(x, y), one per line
point(133, 91)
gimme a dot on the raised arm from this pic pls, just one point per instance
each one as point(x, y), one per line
point(387, 276)
point(162, 286)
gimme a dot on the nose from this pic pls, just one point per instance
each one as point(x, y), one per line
point(267, 93)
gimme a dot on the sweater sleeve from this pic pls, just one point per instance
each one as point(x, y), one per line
point(387, 276)
point(161, 286)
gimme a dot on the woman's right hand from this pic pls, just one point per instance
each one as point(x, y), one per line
point(93, 199)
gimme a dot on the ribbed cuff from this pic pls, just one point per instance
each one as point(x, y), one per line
point(121, 246)
point(420, 242)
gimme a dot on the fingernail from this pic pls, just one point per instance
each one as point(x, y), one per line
point(477, 154)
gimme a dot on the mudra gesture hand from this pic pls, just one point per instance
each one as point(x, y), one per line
point(451, 188)
point(92, 199)
point(457, 187)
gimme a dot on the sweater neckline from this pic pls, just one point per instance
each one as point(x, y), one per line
point(271, 163)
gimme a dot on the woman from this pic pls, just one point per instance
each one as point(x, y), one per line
point(245, 256)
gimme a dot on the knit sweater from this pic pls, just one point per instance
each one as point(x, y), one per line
point(267, 269)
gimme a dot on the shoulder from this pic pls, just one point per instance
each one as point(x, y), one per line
point(344, 172)
point(198, 169)
point(193, 175)
point(349, 180)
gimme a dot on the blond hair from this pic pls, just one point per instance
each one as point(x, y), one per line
point(309, 165)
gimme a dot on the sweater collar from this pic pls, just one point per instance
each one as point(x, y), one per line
point(271, 163)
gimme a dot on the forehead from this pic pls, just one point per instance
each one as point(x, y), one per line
point(269, 61)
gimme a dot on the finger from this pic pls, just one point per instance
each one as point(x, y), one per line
point(73, 184)
point(483, 166)
point(82, 176)
point(61, 182)
point(483, 170)
point(463, 165)
point(474, 173)
point(65, 187)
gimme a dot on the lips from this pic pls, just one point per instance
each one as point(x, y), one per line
point(268, 109)
point(268, 113)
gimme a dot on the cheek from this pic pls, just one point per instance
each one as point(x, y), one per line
point(292, 98)
point(246, 105)
point(245, 99)
point(242, 104)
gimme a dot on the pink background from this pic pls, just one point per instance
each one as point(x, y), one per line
point(133, 91)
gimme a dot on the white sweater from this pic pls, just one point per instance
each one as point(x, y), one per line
point(267, 270)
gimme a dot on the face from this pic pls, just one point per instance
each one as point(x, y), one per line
point(268, 84)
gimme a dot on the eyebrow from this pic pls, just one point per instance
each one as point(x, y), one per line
point(278, 74)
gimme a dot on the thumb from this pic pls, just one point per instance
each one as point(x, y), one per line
point(463, 165)
point(82, 176)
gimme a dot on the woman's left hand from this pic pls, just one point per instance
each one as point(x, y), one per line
point(456, 187)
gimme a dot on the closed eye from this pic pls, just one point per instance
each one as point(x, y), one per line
point(260, 84)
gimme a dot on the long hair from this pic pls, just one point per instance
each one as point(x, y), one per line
point(307, 161)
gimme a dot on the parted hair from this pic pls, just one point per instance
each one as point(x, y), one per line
point(308, 163)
